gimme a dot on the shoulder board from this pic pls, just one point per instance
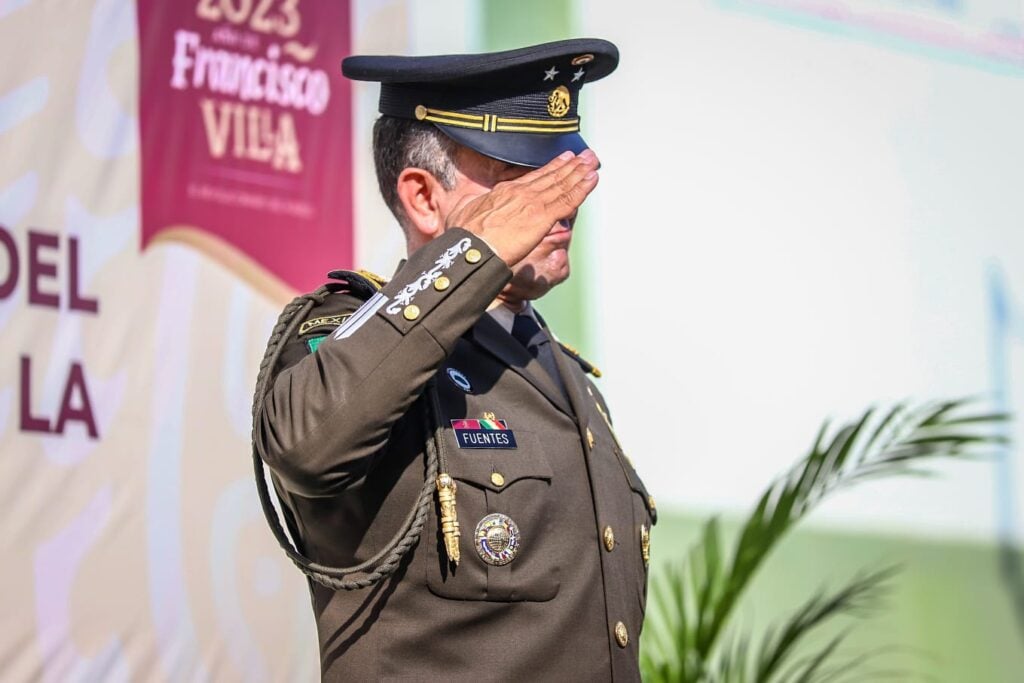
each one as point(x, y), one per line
point(584, 363)
point(359, 283)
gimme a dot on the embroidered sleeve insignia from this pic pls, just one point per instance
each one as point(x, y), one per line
point(324, 321)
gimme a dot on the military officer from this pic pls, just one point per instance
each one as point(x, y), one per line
point(435, 419)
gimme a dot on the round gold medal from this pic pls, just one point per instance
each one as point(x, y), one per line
point(497, 539)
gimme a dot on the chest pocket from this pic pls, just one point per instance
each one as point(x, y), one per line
point(647, 511)
point(497, 485)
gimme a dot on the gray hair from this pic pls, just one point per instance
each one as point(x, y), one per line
point(403, 143)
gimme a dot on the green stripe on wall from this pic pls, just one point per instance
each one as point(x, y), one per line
point(508, 25)
point(949, 616)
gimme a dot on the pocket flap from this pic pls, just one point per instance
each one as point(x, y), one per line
point(638, 487)
point(498, 468)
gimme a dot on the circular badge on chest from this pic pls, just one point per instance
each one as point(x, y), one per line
point(459, 380)
point(497, 539)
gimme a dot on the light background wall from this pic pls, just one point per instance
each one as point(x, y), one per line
point(807, 209)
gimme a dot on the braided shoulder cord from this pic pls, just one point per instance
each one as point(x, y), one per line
point(385, 562)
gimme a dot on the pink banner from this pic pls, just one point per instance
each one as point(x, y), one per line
point(246, 135)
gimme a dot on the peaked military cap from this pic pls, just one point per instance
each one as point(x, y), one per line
point(518, 106)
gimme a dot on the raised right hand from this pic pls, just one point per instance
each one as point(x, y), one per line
point(515, 215)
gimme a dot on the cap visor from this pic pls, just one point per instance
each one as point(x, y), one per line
point(522, 149)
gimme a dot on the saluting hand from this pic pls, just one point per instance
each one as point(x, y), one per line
point(515, 215)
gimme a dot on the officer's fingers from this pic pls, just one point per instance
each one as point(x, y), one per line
point(560, 181)
point(558, 162)
point(568, 192)
point(576, 195)
point(556, 172)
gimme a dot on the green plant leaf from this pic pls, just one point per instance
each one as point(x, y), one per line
point(696, 599)
point(858, 594)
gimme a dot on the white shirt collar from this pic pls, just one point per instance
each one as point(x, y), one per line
point(505, 317)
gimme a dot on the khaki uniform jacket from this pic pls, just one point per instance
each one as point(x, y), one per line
point(342, 432)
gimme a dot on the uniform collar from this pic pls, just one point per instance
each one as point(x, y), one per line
point(504, 316)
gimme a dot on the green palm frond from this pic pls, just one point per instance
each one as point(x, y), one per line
point(858, 595)
point(695, 599)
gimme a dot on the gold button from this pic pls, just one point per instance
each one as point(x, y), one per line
point(650, 502)
point(621, 634)
point(411, 312)
point(645, 544)
point(497, 479)
point(590, 438)
point(421, 112)
point(473, 256)
point(609, 539)
point(442, 283)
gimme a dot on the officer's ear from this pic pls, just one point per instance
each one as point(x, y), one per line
point(422, 196)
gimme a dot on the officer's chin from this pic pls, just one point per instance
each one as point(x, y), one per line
point(533, 281)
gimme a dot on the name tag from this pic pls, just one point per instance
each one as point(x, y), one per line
point(483, 434)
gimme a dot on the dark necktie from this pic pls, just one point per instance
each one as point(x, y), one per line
point(526, 330)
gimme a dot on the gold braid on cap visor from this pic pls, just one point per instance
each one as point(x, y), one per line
point(493, 123)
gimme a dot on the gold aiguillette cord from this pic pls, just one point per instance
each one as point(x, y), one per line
point(449, 517)
point(445, 484)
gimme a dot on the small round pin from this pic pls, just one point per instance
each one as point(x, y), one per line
point(459, 380)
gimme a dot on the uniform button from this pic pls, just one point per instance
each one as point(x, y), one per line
point(442, 283)
point(411, 312)
point(497, 479)
point(621, 634)
point(650, 502)
point(473, 256)
point(609, 539)
point(590, 438)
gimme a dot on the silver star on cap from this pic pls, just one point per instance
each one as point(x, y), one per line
point(577, 76)
point(550, 74)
